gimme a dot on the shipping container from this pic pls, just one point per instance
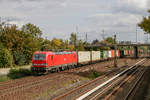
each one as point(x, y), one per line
point(118, 53)
point(109, 54)
point(96, 55)
point(105, 54)
point(102, 54)
point(84, 56)
point(112, 53)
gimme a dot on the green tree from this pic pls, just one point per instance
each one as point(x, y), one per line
point(81, 46)
point(109, 40)
point(145, 24)
point(32, 40)
point(64, 44)
point(71, 47)
point(95, 42)
point(30, 46)
point(56, 43)
point(22, 43)
point(32, 29)
point(46, 45)
point(19, 58)
point(5, 58)
point(73, 39)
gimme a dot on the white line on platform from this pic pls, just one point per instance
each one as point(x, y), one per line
point(103, 84)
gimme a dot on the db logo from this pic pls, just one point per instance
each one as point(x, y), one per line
point(64, 59)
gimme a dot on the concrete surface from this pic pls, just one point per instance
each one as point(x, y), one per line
point(5, 71)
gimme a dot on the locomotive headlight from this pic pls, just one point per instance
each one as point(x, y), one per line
point(43, 64)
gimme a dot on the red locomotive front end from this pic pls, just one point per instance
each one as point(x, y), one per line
point(47, 61)
point(39, 61)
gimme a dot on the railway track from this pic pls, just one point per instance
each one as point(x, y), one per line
point(85, 92)
point(137, 73)
point(17, 82)
point(13, 88)
point(8, 90)
point(32, 78)
point(132, 90)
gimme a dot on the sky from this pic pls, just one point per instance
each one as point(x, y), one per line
point(59, 18)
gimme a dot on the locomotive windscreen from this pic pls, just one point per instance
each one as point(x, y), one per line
point(39, 56)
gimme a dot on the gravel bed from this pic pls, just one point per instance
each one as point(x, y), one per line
point(64, 81)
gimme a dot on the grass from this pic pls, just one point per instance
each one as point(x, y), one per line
point(94, 74)
point(53, 89)
point(15, 73)
point(4, 78)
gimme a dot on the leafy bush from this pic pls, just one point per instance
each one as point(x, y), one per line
point(1, 46)
point(18, 73)
point(19, 58)
point(94, 74)
point(5, 58)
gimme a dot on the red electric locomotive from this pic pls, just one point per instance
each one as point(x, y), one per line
point(44, 61)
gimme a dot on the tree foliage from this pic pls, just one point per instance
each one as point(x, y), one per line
point(46, 45)
point(81, 46)
point(56, 43)
point(32, 29)
point(145, 24)
point(109, 40)
point(73, 39)
point(5, 58)
point(19, 58)
point(21, 43)
point(95, 42)
point(18, 45)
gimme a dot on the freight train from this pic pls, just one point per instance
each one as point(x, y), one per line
point(46, 61)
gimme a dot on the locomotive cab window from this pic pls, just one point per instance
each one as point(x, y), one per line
point(39, 57)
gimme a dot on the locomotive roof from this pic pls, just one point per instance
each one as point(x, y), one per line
point(62, 52)
point(49, 52)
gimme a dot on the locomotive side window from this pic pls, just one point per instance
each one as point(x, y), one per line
point(39, 57)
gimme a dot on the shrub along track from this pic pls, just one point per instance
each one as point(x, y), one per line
point(31, 87)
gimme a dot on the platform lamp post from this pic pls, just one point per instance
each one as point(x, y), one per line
point(115, 47)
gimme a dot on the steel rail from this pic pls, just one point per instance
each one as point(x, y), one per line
point(82, 86)
point(108, 81)
point(25, 86)
point(120, 85)
point(109, 86)
point(135, 85)
point(40, 80)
